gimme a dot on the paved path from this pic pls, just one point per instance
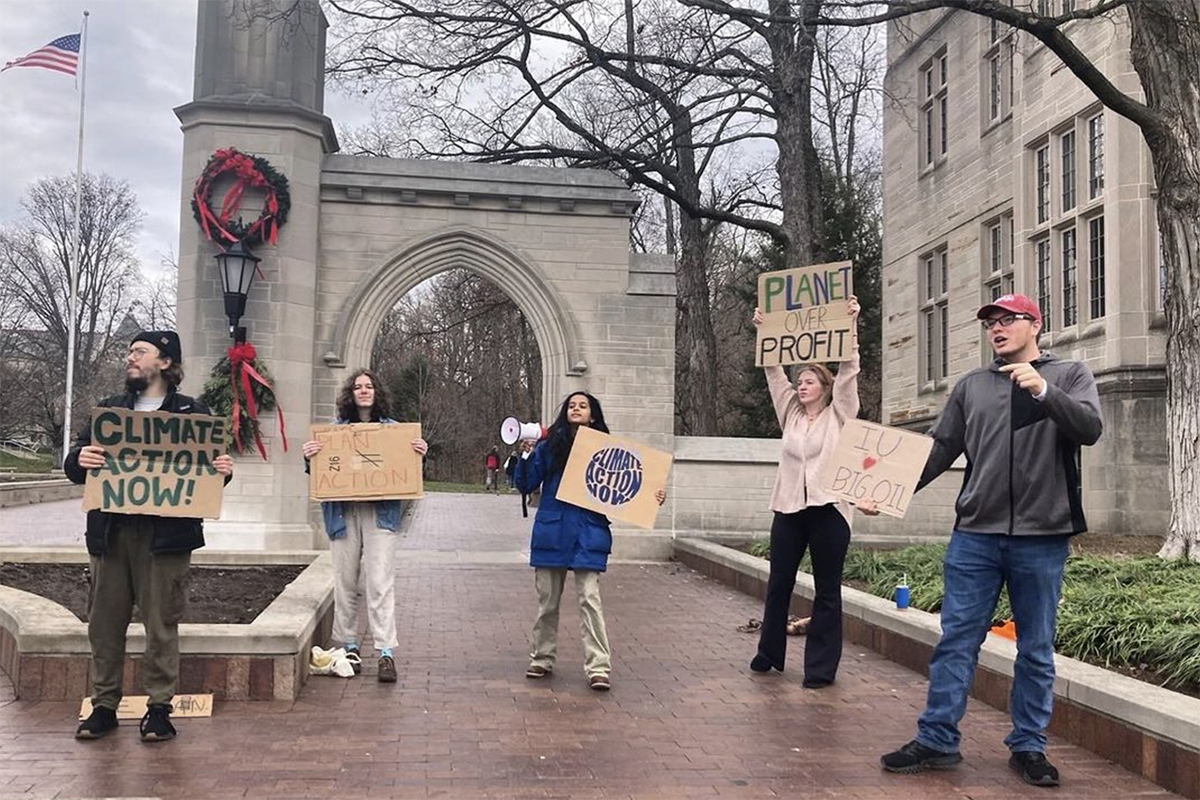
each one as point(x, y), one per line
point(57, 524)
point(685, 717)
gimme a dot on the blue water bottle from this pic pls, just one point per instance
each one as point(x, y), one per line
point(902, 593)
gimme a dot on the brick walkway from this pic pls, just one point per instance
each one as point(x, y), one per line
point(685, 717)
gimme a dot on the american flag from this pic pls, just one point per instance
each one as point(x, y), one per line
point(61, 55)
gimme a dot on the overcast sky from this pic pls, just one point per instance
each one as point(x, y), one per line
point(139, 67)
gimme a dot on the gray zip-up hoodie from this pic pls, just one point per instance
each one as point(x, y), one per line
point(1022, 474)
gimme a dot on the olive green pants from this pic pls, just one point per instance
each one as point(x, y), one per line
point(130, 574)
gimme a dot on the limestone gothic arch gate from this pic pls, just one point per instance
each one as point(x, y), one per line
point(363, 231)
point(476, 251)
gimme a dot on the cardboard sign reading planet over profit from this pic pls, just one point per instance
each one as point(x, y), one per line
point(878, 463)
point(806, 315)
point(615, 476)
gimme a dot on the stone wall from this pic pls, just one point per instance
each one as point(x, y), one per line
point(987, 173)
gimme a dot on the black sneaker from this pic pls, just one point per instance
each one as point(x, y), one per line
point(156, 724)
point(101, 721)
point(355, 659)
point(1034, 769)
point(916, 757)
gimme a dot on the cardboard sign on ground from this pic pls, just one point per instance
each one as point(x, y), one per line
point(805, 315)
point(158, 463)
point(614, 476)
point(366, 461)
point(186, 705)
point(875, 462)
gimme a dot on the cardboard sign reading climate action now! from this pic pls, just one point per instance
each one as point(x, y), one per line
point(366, 461)
point(875, 462)
point(156, 463)
point(806, 316)
point(615, 476)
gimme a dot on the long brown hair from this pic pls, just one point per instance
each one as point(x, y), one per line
point(346, 408)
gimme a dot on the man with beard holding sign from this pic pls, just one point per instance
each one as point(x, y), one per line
point(139, 559)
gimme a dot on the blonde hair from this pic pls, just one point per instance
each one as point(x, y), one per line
point(824, 377)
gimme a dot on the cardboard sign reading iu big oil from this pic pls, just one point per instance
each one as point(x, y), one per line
point(805, 315)
point(875, 462)
point(366, 461)
point(614, 476)
point(157, 463)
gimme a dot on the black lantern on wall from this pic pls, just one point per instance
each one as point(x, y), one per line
point(237, 265)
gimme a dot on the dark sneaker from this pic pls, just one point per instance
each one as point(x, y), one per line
point(535, 672)
point(387, 670)
point(1034, 769)
point(916, 757)
point(101, 721)
point(599, 683)
point(355, 659)
point(156, 724)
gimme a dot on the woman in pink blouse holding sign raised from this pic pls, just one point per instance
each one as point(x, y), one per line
point(806, 517)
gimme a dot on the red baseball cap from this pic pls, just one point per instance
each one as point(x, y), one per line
point(1016, 303)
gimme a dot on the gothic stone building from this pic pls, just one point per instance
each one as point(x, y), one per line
point(1002, 173)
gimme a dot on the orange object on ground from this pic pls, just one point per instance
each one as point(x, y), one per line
point(1008, 630)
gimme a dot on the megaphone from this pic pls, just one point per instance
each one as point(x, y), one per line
point(513, 430)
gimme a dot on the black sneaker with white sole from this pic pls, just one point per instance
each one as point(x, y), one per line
point(156, 724)
point(100, 723)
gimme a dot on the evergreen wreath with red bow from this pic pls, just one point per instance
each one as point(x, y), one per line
point(238, 380)
point(249, 172)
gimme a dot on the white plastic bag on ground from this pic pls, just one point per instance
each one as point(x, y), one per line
point(331, 662)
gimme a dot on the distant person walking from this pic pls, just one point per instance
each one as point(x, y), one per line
point(492, 463)
point(510, 467)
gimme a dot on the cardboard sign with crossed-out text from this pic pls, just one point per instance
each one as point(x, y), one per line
point(806, 315)
point(876, 462)
point(156, 463)
point(366, 461)
point(615, 476)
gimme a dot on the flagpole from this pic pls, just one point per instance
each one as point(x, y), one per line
point(73, 267)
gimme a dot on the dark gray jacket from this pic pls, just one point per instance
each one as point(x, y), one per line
point(1022, 474)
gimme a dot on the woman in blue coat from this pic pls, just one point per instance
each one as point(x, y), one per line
point(566, 537)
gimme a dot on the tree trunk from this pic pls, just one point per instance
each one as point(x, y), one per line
point(793, 49)
point(698, 381)
point(1165, 49)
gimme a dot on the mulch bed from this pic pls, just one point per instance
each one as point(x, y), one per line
point(215, 594)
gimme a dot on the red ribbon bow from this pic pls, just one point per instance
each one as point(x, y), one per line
point(241, 357)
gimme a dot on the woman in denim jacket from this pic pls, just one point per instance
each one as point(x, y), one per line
point(566, 537)
point(362, 538)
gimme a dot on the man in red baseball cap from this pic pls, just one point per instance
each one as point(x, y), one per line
point(1020, 422)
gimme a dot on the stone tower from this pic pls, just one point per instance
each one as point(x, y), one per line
point(260, 88)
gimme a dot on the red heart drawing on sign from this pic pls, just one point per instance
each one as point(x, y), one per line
point(869, 462)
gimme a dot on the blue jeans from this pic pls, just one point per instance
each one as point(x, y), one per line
point(976, 565)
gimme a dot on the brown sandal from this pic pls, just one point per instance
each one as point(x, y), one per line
point(797, 626)
point(752, 625)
